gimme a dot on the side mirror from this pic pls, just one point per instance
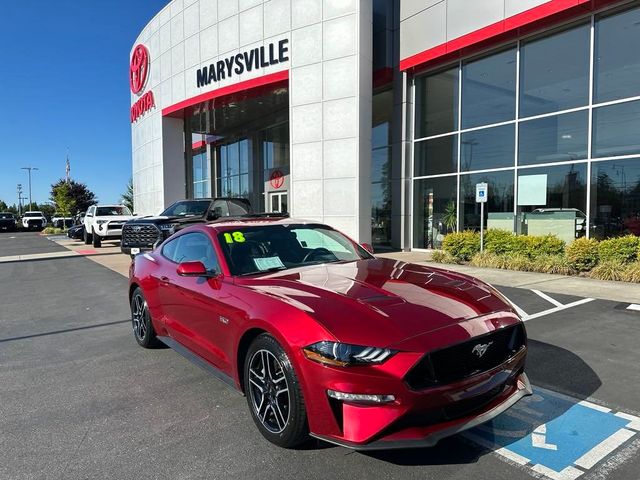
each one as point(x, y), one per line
point(214, 214)
point(367, 247)
point(194, 269)
point(89, 215)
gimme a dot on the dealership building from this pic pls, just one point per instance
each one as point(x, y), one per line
point(381, 117)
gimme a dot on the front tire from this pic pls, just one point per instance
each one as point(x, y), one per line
point(97, 241)
point(274, 394)
point(87, 237)
point(141, 323)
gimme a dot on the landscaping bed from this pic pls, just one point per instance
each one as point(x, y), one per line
point(612, 259)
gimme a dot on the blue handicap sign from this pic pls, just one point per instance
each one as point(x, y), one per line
point(481, 193)
point(555, 431)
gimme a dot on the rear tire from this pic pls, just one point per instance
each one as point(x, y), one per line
point(141, 323)
point(97, 241)
point(274, 394)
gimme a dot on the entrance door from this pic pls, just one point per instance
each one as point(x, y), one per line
point(278, 202)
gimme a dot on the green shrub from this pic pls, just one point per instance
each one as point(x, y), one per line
point(608, 270)
point(500, 242)
point(621, 249)
point(519, 262)
point(632, 272)
point(52, 231)
point(558, 264)
point(582, 254)
point(488, 260)
point(440, 256)
point(462, 245)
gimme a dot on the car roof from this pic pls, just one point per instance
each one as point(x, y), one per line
point(251, 221)
point(108, 205)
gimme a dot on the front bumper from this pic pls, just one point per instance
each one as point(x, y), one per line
point(432, 435)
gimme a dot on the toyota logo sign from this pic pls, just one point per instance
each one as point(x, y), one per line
point(139, 68)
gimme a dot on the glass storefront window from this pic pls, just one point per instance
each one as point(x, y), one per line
point(437, 103)
point(554, 72)
point(487, 148)
point(558, 138)
point(615, 130)
point(617, 64)
point(233, 168)
point(615, 198)
point(382, 117)
point(200, 175)
point(498, 211)
point(434, 211)
point(553, 200)
point(489, 89)
point(436, 156)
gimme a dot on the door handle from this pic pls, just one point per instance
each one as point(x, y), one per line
point(164, 279)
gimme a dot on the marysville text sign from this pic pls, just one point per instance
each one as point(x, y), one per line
point(239, 63)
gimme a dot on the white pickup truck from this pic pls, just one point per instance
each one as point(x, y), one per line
point(104, 222)
point(33, 221)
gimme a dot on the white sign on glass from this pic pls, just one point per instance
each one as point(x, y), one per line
point(532, 190)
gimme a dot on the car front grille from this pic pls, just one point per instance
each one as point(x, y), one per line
point(466, 359)
point(34, 223)
point(114, 226)
point(140, 236)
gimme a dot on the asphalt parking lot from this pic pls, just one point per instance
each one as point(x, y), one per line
point(80, 399)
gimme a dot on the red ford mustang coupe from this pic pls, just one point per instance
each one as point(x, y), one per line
point(326, 340)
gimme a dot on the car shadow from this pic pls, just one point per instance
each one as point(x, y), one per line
point(555, 369)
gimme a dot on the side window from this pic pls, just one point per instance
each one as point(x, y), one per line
point(220, 208)
point(195, 247)
point(237, 208)
point(169, 249)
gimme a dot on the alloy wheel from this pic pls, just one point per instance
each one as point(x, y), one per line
point(269, 391)
point(140, 317)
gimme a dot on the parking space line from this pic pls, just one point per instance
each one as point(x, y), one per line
point(634, 306)
point(635, 421)
point(597, 453)
point(547, 298)
point(569, 473)
point(595, 406)
point(558, 309)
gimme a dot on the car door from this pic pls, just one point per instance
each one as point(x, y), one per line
point(196, 306)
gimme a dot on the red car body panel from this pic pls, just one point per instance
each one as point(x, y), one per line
point(373, 302)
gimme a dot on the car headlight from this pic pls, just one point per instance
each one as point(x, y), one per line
point(344, 355)
point(100, 222)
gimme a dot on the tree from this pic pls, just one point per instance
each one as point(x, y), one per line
point(127, 196)
point(3, 206)
point(65, 203)
point(82, 196)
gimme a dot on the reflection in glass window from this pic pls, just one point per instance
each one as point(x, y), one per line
point(498, 211)
point(552, 200)
point(201, 178)
point(559, 138)
point(554, 72)
point(615, 198)
point(616, 130)
point(487, 148)
point(434, 211)
point(489, 89)
point(382, 118)
point(436, 156)
point(437, 103)
point(233, 168)
point(617, 63)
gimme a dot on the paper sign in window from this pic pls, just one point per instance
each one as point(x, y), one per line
point(267, 263)
point(532, 190)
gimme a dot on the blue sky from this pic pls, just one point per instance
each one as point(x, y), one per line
point(64, 69)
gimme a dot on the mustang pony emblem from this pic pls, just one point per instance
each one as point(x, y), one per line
point(481, 348)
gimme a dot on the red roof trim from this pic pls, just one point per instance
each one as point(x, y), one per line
point(546, 13)
point(228, 90)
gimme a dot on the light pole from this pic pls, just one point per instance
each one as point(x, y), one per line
point(19, 199)
point(29, 170)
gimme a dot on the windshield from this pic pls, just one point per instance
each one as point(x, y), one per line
point(111, 211)
point(6, 215)
point(33, 214)
point(265, 248)
point(192, 208)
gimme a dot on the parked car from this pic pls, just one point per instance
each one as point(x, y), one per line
point(143, 233)
point(60, 221)
point(325, 339)
point(104, 222)
point(8, 222)
point(76, 232)
point(34, 220)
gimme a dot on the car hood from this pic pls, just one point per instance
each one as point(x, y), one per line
point(380, 302)
point(161, 219)
point(115, 218)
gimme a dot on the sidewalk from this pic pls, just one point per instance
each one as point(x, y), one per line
point(569, 285)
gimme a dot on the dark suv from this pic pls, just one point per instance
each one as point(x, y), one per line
point(8, 222)
point(145, 233)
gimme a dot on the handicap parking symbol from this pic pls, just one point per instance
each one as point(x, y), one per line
point(556, 435)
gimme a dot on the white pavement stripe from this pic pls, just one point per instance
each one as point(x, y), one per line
point(514, 457)
point(634, 306)
point(594, 406)
point(547, 298)
point(558, 309)
point(569, 473)
point(604, 448)
point(519, 311)
point(635, 421)
point(36, 256)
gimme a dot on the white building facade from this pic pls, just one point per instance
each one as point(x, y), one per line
point(379, 117)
